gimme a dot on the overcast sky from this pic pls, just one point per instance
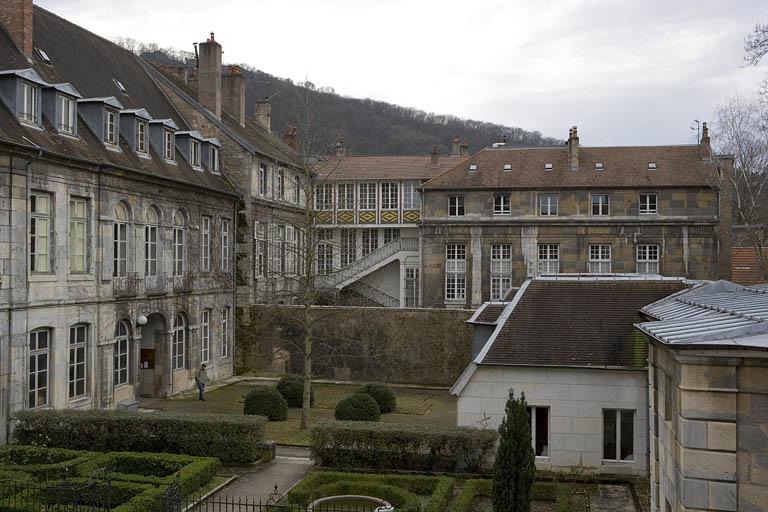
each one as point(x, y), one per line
point(625, 72)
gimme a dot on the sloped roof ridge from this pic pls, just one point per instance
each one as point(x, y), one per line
point(454, 167)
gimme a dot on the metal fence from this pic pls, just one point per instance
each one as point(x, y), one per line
point(90, 496)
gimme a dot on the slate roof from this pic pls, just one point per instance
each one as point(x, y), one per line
point(384, 167)
point(91, 64)
point(623, 167)
point(576, 323)
point(488, 313)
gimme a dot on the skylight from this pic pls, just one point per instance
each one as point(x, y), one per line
point(548, 167)
point(651, 166)
point(472, 168)
point(507, 167)
point(599, 166)
point(120, 86)
point(43, 56)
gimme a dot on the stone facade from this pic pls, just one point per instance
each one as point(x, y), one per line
point(709, 418)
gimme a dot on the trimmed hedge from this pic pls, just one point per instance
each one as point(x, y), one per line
point(464, 501)
point(401, 499)
point(441, 496)
point(357, 407)
point(266, 401)
point(232, 438)
point(383, 395)
point(41, 463)
point(291, 386)
point(396, 446)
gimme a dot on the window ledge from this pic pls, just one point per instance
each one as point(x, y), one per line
point(169, 162)
point(30, 124)
point(68, 135)
point(145, 156)
point(79, 401)
point(80, 277)
point(112, 147)
point(42, 278)
point(608, 462)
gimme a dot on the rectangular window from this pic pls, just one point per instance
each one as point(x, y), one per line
point(110, 127)
point(205, 335)
point(669, 395)
point(348, 247)
point(345, 196)
point(370, 240)
point(225, 332)
point(548, 205)
point(291, 250)
point(169, 145)
point(647, 259)
point(619, 434)
point(141, 137)
point(66, 114)
point(38, 368)
point(119, 249)
point(77, 359)
point(261, 249)
point(549, 258)
point(501, 270)
point(367, 196)
point(150, 250)
point(179, 345)
point(389, 196)
point(455, 271)
point(456, 206)
point(324, 197)
point(121, 355)
point(205, 243)
point(225, 236)
point(501, 204)
point(262, 179)
point(29, 94)
point(411, 287)
point(648, 204)
point(178, 250)
point(214, 156)
point(391, 234)
point(280, 184)
point(297, 190)
point(601, 205)
point(40, 232)
point(324, 251)
point(539, 417)
point(600, 259)
point(194, 153)
point(411, 196)
point(78, 235)
point(276, 254)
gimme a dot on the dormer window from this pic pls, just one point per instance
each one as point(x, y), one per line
point(214, 163)
point(548, 167)
point(507, 167)
point(141, 137)
point(65, 120)
point(168, 145)
point(29, 95)
point(473, 168)
point(599, 166)
point(651, 166)
point(110, 127)
point(194, 153)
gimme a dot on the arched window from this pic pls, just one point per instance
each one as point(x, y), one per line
point(120, 241)
point(150, 242)
point(122, 353)
point(38, 367)
point(178, 244)
point(179, 342)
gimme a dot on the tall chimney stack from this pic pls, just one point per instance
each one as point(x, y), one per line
point(263, 113)
point(573, 148)
point(706, 148)
point(233, 93)
point(340, 149)
point(434, 157)
point(455, 146)
point(464, 147)
point(16, 17)
point(209, 76)
point(291, 137)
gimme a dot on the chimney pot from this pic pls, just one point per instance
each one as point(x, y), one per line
point(16, 17)
point(455, 146)
point(233, 94)
point(209, 76)
point(573, 148)
point(706, 148)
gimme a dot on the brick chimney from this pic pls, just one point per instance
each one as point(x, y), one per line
point(291, 137)
point(16, 17)
point(434, 157)
point(573, 148)
point(209, 75)
point(704, 144)
point(455, 146)
point(233, 93)
point(464, 147)
point(263, 113)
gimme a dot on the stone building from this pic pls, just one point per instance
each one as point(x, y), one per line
point(708, 380)
point(117, 247)
point(368, 210)
point(508, 214)
point(265, 169)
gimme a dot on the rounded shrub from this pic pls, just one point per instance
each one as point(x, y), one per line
point(358, 407)
point(383, 395)
point(291, 386)
point(266, 401)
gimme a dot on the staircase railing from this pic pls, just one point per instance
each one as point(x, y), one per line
point(374, 294)
point(357, 267)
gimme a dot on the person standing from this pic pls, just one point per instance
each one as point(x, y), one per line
point(201, 379)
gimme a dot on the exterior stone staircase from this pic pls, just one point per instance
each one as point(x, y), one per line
point(394, 250)
point(374, 294)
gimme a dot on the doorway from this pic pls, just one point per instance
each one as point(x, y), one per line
point(153, 358)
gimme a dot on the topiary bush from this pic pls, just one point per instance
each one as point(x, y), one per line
point(358, 407)
point(291, 386)
point(383, 395)
point(266, 401)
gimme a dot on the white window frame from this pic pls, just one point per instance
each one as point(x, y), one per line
point(205, 243)
point(179, 343)
point(390, 195)
point(194, 153)
point(345, 196)
point(603, 205)
point(40, 239)
point(78, 235)
point(225, 331)
point(65, 121)
point(455, 272)
point(648, 203)
point(213, 155)
point(150, 249)
point(141, 137)
point(367, 193)
point(78, 361)
point(411, 195)
point(205, 335)
point(549, 258)
point(122, 355)
point(369, 238)
point(291, 250)
point(262, 179)
point(648, 259)
point(119, 248)
point(533, 420)
point(411, 287)
point(225, 242)
point(178, 250)
point(38, 395)
point(110, 127)
point(262, 250)
point(501, 271)
point(618, 420)
point(548, 204)
point(456, 206)
point(502, 204)
point(30, 95)
point(324, 196)
point(348, 246)
point(600, 258)
point(390, 235)
point(280, 184)
point(324, 251)
point(169, 145)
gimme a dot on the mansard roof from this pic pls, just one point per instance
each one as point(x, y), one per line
point(408, 167)
point(623, 166)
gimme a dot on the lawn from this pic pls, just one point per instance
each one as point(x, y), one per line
point(414, 405)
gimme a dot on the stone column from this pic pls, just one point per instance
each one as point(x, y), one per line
point(477, 265)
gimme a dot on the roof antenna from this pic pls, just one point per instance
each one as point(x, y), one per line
point(698, 130)
point(197, 57)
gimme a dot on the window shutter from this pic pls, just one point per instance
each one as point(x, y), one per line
point(106, 252)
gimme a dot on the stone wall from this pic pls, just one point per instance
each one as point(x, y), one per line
point(413, 346)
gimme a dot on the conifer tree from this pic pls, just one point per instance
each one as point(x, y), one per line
point(514, 469)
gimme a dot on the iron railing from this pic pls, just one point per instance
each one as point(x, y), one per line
point(155, 284)
point(125, 286)
point(183, 282)
point(343, 275)
point(374, 294)
point(94, 495)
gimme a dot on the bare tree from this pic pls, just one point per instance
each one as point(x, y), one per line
point(756, 44)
